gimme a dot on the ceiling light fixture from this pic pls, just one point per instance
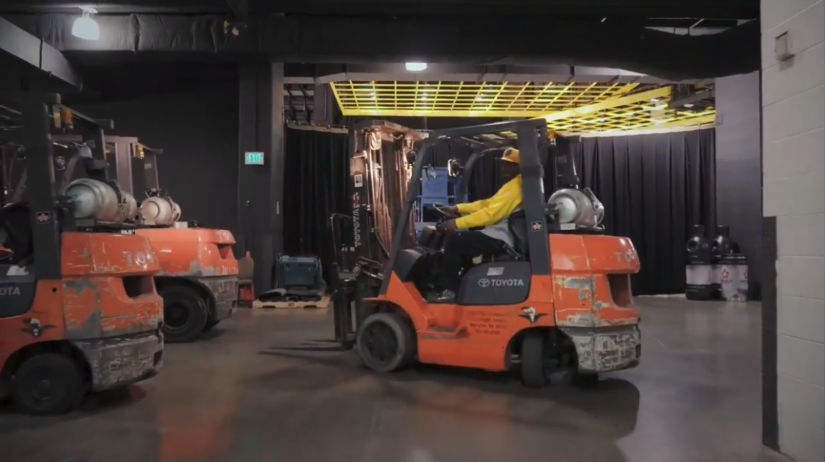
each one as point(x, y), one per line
point(414, 66)
point(654, 100)
point(85, 27)
point(688, 105)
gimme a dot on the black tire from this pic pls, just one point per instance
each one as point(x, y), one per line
point(532, 360)
point(48, 383)
point(386, 342)
point(210, 324)
point(184, 313)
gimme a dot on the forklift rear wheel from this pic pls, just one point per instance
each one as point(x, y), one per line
point(385, 342)
point(48, 383)
point(533, 373)
point(184, 313)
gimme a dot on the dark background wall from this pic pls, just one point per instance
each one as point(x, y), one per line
point(739, 167)
point(197, 127)
point(654, 187)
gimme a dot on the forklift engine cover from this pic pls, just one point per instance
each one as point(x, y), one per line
point(112, 311)
point(200, 254)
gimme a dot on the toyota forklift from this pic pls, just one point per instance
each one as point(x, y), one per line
point(78, 306)
point(198, 280)
point(558, 300)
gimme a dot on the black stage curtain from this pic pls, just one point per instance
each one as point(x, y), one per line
point(654, 188)
point(316, 184)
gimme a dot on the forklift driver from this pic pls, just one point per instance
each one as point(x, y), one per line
point(491, 214)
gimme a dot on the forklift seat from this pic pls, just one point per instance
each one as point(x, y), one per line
point(517, 225)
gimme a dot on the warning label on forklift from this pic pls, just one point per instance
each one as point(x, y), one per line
point(485, 323)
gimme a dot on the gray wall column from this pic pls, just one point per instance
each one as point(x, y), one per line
point(260, 187)
point(739, 168)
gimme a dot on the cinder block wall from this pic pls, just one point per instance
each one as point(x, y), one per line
point(793, 166)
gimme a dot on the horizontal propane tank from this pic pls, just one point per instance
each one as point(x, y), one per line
point(159, 211)
point(99, 201)
point(579, 207)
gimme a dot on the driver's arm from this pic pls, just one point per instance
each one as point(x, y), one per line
point(472, 207)
point(493, 209)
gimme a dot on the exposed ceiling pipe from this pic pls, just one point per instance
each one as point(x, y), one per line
point(32, 50)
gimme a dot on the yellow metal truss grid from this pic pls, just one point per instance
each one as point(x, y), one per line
point(569, 107)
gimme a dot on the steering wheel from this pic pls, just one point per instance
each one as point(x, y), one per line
point(440, 209)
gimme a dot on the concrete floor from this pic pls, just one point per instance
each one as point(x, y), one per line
point(269, 386)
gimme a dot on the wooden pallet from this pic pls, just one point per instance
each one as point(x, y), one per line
point(321, 304)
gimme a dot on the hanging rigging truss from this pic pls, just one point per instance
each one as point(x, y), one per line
point(568, 107)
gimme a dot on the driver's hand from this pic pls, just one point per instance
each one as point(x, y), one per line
point(448, 226)
point(450, 210)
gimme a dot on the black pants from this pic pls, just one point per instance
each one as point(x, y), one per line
point(459, 251)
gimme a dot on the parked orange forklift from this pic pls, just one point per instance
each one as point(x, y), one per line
point(199, 273)
point(558, 300)
point(78, 305)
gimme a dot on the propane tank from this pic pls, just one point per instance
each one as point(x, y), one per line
point(721, 247)
point(722, 244)
point(579, 207)
point(159, 211)
point(94, 199)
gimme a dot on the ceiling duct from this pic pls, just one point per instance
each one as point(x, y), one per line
point(489, 40)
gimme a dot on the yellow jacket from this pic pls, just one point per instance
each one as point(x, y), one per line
point(487, 212)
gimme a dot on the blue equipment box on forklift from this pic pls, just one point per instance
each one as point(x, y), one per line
point(437, 188)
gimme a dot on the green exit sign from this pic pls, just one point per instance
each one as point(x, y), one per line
point(253, 158)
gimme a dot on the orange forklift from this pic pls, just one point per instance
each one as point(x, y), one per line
point(78, 305)
point(199, 273)
point(558, 300)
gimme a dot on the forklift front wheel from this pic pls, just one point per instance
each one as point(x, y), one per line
point(385, 342)
point(533, 373)
point(184, 313)
point(48, 383)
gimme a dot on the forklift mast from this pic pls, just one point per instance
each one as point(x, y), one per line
point(40, 118)
point(379, 168)
point(133, 177)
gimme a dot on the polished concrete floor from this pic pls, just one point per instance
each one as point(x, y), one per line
point(271, 387)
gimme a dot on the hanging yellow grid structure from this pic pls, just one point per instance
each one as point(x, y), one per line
point(570, 107)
